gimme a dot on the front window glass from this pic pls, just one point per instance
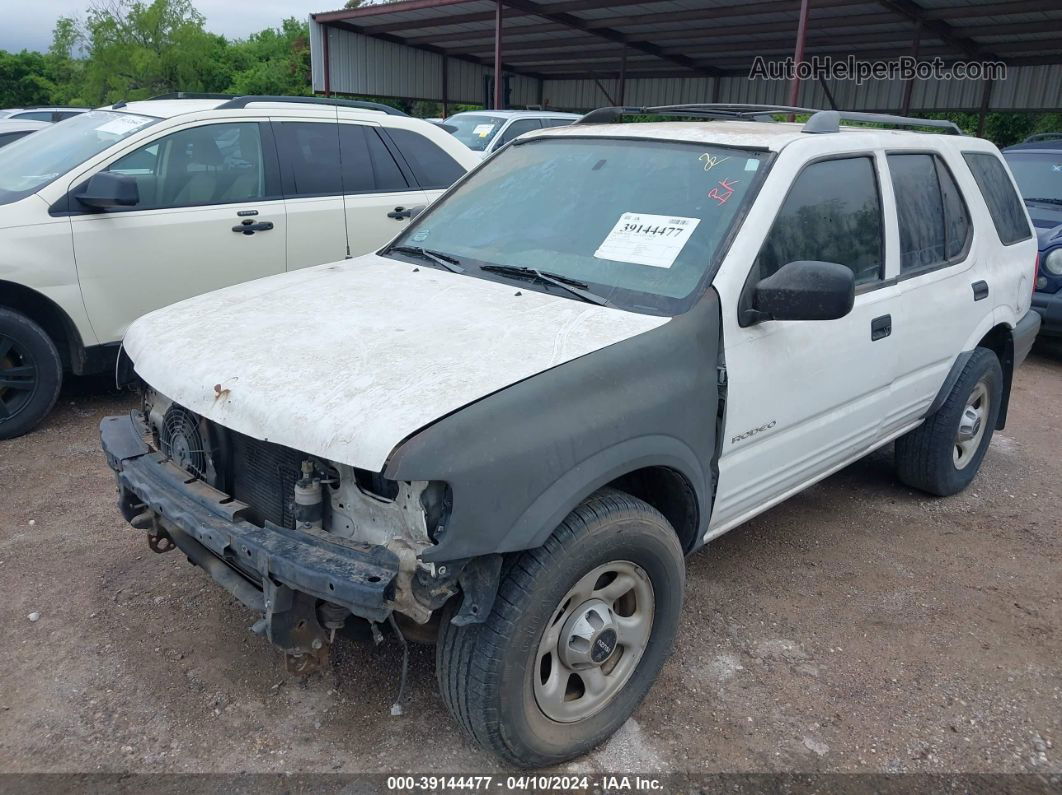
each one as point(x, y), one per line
point(213, 164)
point(474, 130)
point(1039, 175)
point(832, 214)
point(28, 165)
point(639, 222)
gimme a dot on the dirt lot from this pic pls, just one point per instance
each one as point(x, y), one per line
point(858, 627)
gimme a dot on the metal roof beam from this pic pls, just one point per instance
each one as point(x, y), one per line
point(479, 38)
point(459, 56)
point(941, 30)
point(611, 35)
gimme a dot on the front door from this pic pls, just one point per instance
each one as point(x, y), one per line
point(806, 397)
point(209, 215)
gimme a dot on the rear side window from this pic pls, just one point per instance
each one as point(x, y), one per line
point(310, 153)
point(431, 166)
point(833, 214)
point(1006, 209)
point(929, 211)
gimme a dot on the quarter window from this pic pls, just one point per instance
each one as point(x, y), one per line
point(832, 214)
point(1008, 213)
point(213, 164)
point(431, 166)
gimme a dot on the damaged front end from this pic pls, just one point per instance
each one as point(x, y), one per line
point(309, 543)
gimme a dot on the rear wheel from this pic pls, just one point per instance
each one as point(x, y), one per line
point(578, 633)
point(944, 453)
point(30, 374)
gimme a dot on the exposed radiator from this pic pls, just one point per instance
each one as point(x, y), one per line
point(263, 476)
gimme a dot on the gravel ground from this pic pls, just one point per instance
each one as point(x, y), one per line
point(859, 627)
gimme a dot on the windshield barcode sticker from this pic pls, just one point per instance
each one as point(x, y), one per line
point(653, 240)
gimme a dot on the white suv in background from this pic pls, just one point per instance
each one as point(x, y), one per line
point(122, 210)
point(487, 131)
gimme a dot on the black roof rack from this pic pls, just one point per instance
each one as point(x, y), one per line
point(708, 110)
point(821, 121)
point(243, 102)
point(192, 95)
point(1044, 136)
point(829, 121)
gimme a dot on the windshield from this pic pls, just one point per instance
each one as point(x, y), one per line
point(29, 164)
point(636, 221)
point(474, 130)
point(1039, 174)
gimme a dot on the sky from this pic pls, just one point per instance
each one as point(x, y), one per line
point(28, 26)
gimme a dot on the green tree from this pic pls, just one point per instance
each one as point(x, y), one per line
point(136, 50)
point(274, 61)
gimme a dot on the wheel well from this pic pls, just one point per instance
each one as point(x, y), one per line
point(1000, 341)
point(669, 492)
point(46, 314)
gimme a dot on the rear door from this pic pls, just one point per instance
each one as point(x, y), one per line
point(343, 190)
point(943, 278)
point(209, 215)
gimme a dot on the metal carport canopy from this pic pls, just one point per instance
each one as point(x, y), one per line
point(585, 53)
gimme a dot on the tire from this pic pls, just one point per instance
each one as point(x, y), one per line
point(31, 374)
point(939, 456)
point(493, 675)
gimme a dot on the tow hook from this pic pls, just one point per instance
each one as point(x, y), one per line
point(158, 539)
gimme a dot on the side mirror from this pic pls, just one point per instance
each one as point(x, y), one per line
point(804, 290)
point(108, 189)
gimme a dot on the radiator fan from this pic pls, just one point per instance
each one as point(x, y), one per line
point(183, 440)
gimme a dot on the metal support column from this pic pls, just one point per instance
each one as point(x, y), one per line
point(445, 86)
point(621, 92)
point(498, 56)
point(327, 60)
point(908, 88)
point(798, 54)
point(986, 100)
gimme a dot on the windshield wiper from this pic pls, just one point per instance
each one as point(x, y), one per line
point(1045, 201)
point(573, 286)
point(446, 261)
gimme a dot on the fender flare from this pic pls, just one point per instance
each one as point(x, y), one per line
point(550, 508)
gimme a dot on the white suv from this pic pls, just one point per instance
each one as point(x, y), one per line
point(121, 210)
point(506, 429)
point(487, 131)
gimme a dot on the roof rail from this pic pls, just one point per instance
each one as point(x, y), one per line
point(192, 95)
point(1044, 136)
point(709, 110)
point(829, 121)
point(243, 102)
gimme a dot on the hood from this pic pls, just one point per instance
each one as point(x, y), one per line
point(1048, 226)
point(344, 361)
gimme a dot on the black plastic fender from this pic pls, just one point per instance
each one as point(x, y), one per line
point(519, 460)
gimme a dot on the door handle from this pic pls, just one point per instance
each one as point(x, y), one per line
point(405, 212)
point(980, 290)
point(880, 327)
point(249, 227)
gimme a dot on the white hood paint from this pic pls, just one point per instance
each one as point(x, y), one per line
point(344, 361)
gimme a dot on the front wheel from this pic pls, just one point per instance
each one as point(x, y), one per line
point(30, 374)
point(578, 633)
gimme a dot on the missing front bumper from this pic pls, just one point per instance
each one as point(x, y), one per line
point(278, 571)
